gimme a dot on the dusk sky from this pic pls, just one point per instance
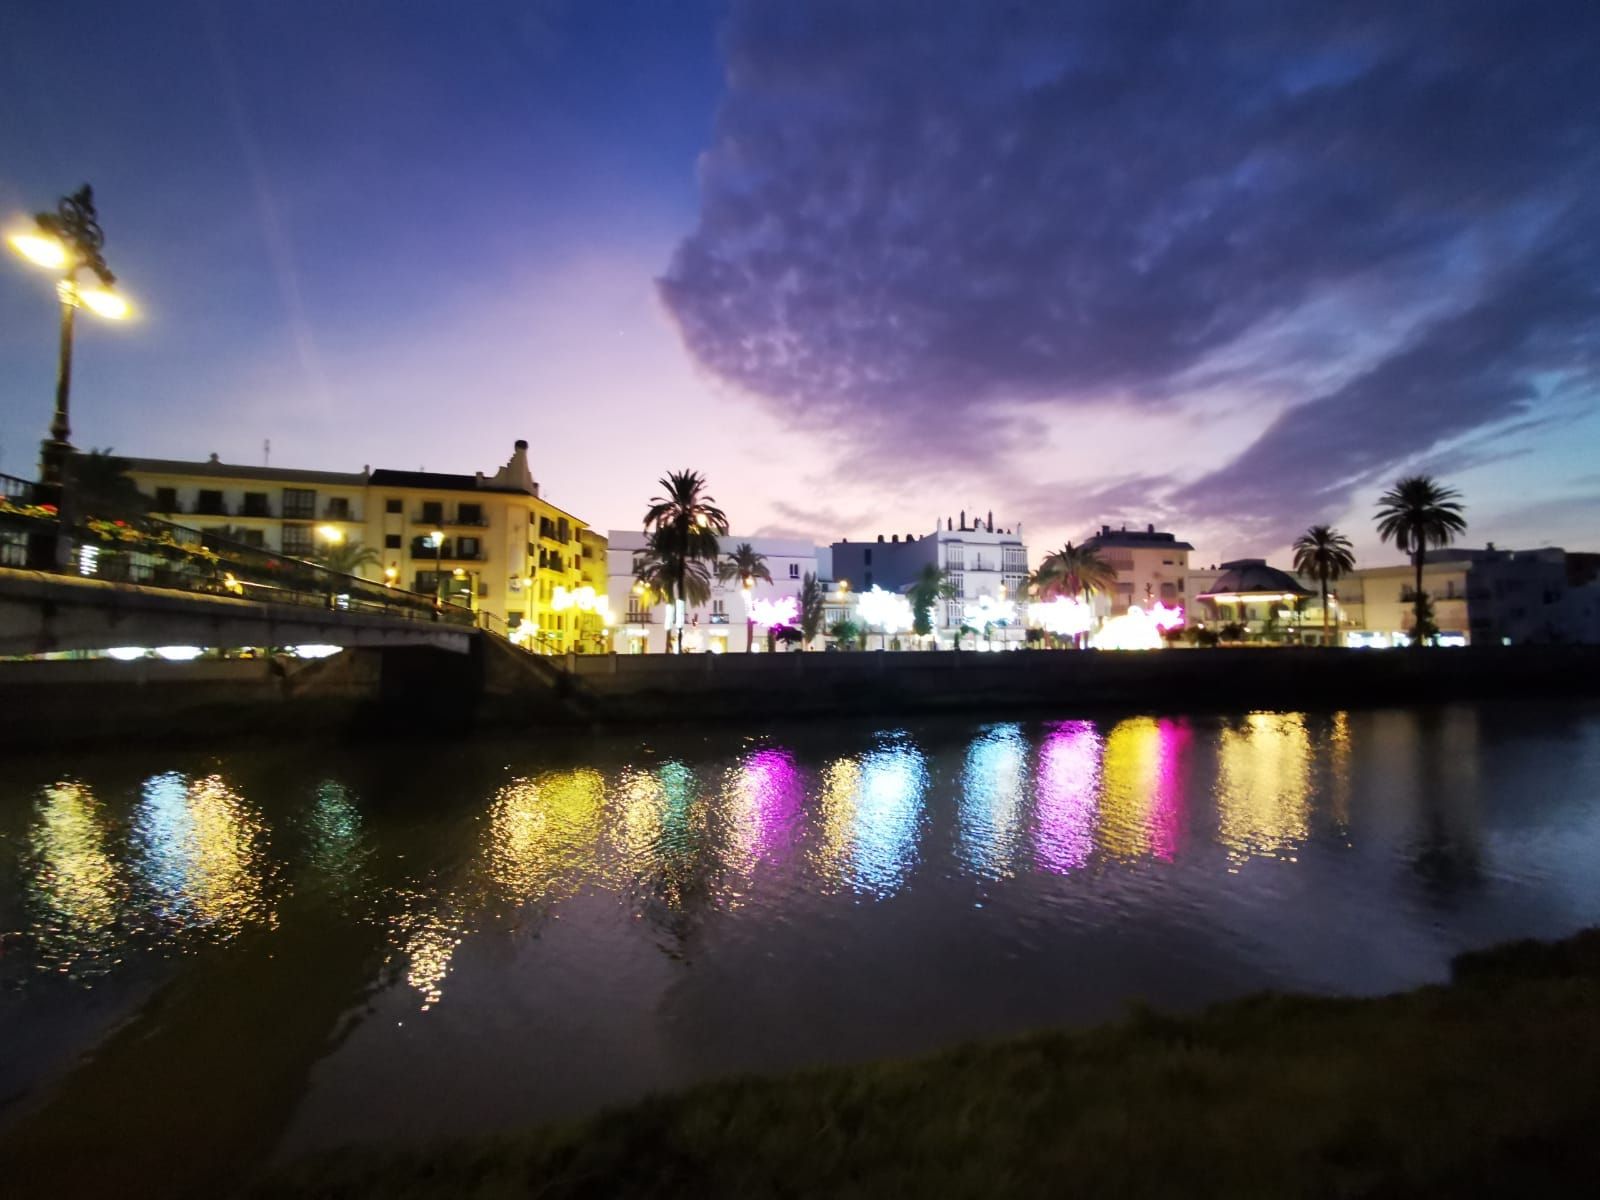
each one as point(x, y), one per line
point(1226, 267)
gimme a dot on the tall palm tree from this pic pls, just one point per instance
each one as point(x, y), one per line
point(1073, 571)
point(1324, 552)
point(745, 565)
point(661, 572)
point(931, 586)
point(347, 558)
point(1418, 512)
point(686, 523)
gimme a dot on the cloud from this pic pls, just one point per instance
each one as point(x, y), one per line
point(1369, 218)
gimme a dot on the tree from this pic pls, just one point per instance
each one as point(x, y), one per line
point(812, 607)
point(1324, 552)
point(100, 487)
point(662, 575)
point(347, 558)
point(1418, 512)
point(788, 635)
point(931, 586)
point(685, 524)
point(1073, 571)
point(845, 634)
point(745, 565)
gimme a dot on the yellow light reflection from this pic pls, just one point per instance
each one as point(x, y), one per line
point(1264, 786)
point(544, 830)
point(204, 852)
point(75, 887)
point(871, 811)
point(1130, 776)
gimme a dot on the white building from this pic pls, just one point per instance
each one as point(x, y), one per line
point(1151, 566)
point(720, 627)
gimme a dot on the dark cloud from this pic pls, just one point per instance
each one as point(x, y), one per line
point(912, 211)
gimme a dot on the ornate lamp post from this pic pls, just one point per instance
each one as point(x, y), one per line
point(69, 240)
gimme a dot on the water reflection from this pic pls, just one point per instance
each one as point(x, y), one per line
point(333, 826)
point(202, 852)
point(993, 795)
point(1131, 783)
point(871, 813)
point(75, 888)
point(1264, 786)
point(1067, 790)
point(765, 802)
point(543, 832)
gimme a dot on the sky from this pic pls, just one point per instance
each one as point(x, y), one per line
point(1228, 268)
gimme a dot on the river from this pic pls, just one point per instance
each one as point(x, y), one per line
point(291, 947)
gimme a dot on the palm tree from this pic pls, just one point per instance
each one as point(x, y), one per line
point(745, 565)
point(812, 607)
point(347, 558)
point(685, 523)
point(1074, 571)
point(1324, 552)
point(662, 574)
point(1418, 512)
point(931, 586)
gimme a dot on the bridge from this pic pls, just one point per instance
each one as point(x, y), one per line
point(95, 584)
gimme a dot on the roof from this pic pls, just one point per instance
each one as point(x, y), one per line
point(439, 482)
point(1148, 538)
point(222, 470)
point(1252, 577)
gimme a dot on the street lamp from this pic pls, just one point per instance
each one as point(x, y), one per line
point(68, 241)
point(331, 534)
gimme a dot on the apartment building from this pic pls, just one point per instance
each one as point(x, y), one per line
point(1151, 566)
point(489, 541)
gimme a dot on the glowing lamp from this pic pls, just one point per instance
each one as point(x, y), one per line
point(104, 303)
point(44, 251)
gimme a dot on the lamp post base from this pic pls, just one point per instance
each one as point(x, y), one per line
point(53, 456)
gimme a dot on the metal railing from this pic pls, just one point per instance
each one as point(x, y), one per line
point(141, 549)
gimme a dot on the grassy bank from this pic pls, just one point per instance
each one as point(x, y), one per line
point(1487, 1086)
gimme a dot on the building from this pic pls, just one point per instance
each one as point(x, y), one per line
point(1151, 566)
point(492, 542)
point(1480, 597)
point(718, 627)
point(988, 567)
point(1266, 602)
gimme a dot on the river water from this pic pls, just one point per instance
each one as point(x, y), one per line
point(417, 939)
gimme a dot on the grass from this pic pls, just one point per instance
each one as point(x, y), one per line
point(1487, 1086)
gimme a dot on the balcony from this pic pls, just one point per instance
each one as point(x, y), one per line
point(719, 618)
point(639, 618)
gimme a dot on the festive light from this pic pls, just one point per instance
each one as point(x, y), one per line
point(1065, 616)
point(989, 611)
point(888, 612)
point(1166, 618)
point(785, 610)
point(1135, 629)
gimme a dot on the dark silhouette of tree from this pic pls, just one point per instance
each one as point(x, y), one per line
point(1416, 513)
point(1324, 552)
point(745, 565)
point(686, 523)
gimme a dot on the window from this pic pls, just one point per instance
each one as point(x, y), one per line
point(300, 503)
point(210, 503)
point(563, 531)
point(869, 579)
point(423, 546)
point(255, 505)
point(467, 547)
point(394, 506)
point(794, 570)
point(426, 581)
point(433, 512)
point(955, 557)
point(868, 559)
point(958, 583)
point(167, 500)
point(469, 514)
point(1169, 593)
point(391, 541)
point(297, 540)
point(719, 607)
point(339, 508)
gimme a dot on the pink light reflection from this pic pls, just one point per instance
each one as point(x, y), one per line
point(772, 796)
point(1165, 818)
point(1067, 787)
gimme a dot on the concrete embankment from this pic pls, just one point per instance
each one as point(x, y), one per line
point(395, 691)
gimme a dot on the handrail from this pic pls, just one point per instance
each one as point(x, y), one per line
point(138, 548)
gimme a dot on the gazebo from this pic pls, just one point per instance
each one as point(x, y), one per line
point(1263, 599)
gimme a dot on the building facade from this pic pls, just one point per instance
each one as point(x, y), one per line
point(1151, 566)
point(720, 626)
point(491, 542)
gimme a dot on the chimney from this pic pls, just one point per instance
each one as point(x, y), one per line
point(895, 538)
point(1105, 531)
point(1149, 528)
point(991, 520)
point(963, 520)
point(515, 474)
point(880, 538)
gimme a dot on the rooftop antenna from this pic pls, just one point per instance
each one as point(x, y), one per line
point(266, 452)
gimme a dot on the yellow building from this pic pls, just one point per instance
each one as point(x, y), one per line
point(489, 541)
